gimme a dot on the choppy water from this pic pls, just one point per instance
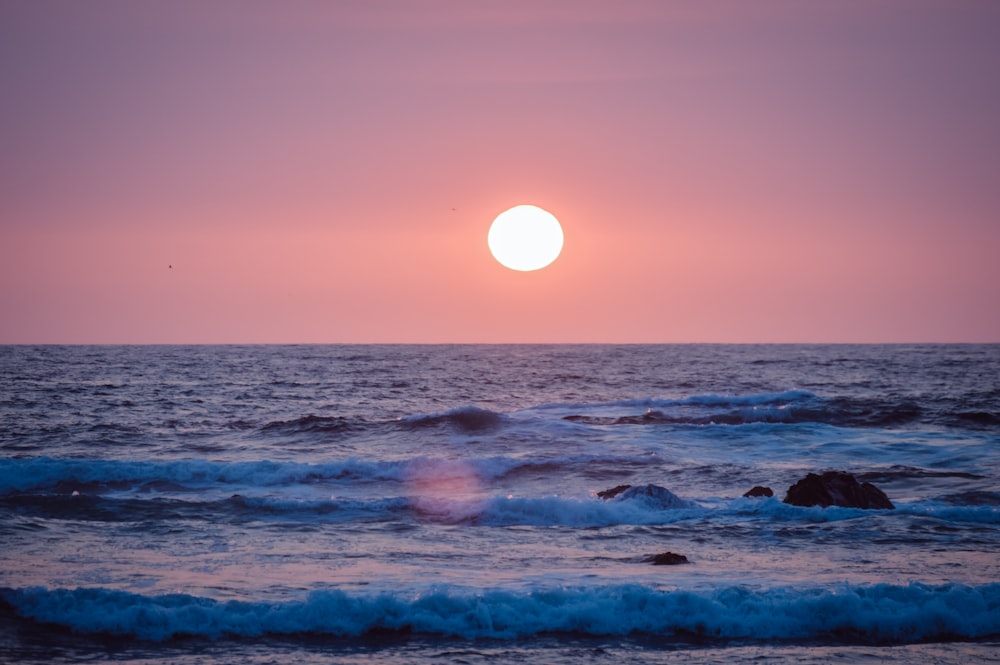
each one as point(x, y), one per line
point(416, 503)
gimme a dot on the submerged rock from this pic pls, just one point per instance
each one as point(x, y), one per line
point(653, 496)
point(759, 490)
point(836, 488)
point(666, 559)
point(613, 492)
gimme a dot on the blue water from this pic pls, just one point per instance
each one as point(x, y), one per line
point(411, 504)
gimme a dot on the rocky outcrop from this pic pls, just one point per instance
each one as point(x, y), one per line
point(613, 492)
point(666, 559)
point(836, 488)
point(654, 496)
point(759, 490)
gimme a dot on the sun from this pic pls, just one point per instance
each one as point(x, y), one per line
point(525, 238)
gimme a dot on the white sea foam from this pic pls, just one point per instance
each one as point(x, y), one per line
point(24, 474)
point(880, 613)
point(579, 512)
point(42, 473)
point(454, 490)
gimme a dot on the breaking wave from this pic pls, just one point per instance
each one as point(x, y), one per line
point(650, 505)
point(880, 613)
point(66, 475)
point(97, 476)
point(791, 407)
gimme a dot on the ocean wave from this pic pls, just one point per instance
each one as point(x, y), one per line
point(902, 471)
point(788, 407)
point(66, 475)
point(586, 512)
point(442, 491)
point(445, 490)
point(774, 510)
point(710, 399)
point(972, 498)
point(982, 514)
point(236, 508)
point(99, 476)
point(758, 399)
point(312, 424)
point(590, 512)
point(881, 613)
point(465, 506)
point(985, 419)
point(464, 418)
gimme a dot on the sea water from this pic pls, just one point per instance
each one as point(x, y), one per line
point(416, 504)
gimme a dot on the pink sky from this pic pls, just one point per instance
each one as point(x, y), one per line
point(328, 171)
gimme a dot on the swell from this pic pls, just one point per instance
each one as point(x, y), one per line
point(790, 407)
point(193, 431)
point(312, 424)
point(96, 476)
point(234, 509)
point(101, 476)
point(476, 509)
point(880, 614)
point(466, 418)
point(199, 434)
point(463, 418)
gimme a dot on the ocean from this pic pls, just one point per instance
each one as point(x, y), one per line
point(439, 503)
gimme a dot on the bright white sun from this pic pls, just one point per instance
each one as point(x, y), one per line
point(525, 238)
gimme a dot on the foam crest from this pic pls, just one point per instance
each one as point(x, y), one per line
point(583, 512)
point(789, 407)
point(47, 473)
point(450, 490)
point(773, 509)
point(65, 475)
point(982, 514)
point(757, 399)
point(878, 613)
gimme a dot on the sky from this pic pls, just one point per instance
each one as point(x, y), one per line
point(327, 172)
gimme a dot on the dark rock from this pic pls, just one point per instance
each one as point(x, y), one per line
point(591, 420)
point(666, 559)
point(836, 488)
point(654, 496)
point(613, 492)
point(759, 491)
